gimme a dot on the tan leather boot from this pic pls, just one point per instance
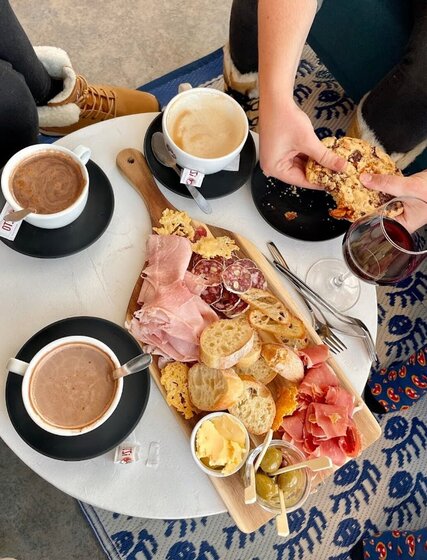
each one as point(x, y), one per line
point(80, 104)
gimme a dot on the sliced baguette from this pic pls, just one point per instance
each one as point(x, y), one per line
point(294, 343)
point(266, 303)
point(225, 342)
point(213, 389)
point(283, 360)
point(252, 356)
point(259, 371)
point(255, 407)
point(294, 328)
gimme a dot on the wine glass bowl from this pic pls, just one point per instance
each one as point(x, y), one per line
point(381, 248)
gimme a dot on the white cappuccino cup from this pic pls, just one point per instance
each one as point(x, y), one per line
point(204, 129)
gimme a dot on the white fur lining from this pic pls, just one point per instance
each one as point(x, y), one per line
point(58, 65)
point(244, 83)
point(401, 159)
point(61, 115)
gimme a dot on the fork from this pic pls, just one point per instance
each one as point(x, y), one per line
point(346, 319)
point(320, 325)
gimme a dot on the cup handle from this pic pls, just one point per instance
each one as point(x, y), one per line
point(184, 87)
point(82, 153)
point(17, 366)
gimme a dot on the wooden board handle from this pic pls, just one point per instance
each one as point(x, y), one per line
point(134, 167)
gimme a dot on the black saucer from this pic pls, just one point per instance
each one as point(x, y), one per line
point(273, 198)
point(136, 389)
point(213, 186)
point(89, 226)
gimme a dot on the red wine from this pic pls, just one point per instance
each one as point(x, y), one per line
point(371, 256)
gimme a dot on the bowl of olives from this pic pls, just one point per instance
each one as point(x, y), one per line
point(295, 484)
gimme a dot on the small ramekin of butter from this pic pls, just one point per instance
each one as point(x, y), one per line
point(220, 444)
point(295, 484)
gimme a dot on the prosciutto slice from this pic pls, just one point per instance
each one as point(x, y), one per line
point(172, 316)
point(323, 423)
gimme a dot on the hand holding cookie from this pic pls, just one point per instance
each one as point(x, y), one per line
point(415, 215)
point(287, 139)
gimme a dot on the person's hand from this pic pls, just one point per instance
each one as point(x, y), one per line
point(415, 214)
point(287, 139)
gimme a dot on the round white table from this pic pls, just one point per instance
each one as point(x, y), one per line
point(98, 281)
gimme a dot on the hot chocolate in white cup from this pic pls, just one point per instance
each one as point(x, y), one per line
point(204, 129)
point(27, 370)
point(80, 156)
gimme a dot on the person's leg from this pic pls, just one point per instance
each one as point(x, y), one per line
point(241, 57)
point(18, 113)
point(393, 115)
point(16, 49)
point(65, 100)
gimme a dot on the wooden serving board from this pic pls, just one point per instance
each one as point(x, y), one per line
point(247, 517)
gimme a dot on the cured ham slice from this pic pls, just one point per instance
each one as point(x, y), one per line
point(173, 315)
point(313, 355)
point(323, 423)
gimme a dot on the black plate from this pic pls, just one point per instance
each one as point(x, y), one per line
point(213, 186)
point(313, 223)
point(136, 389)
point(89, 226)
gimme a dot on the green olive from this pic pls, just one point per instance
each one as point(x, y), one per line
point(266, 488)
point(272, 460)
point(287, 481)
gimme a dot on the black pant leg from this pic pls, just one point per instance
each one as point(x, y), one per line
point(243, 36)
point(18, 113)
point(16, 48)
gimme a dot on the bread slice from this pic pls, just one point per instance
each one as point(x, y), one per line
point(294, 343)
point(175, 381)
point(259, 371)
point(293, 328)
point(225, 342)
point(252, 356)
point(255, 407)
point(283, 360)
point(266, 303)
point(213, 389)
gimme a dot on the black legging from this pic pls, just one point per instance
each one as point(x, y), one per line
point(24, 84)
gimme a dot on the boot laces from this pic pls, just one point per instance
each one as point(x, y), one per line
point(95, 102)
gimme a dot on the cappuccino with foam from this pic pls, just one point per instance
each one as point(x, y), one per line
point(205, 126)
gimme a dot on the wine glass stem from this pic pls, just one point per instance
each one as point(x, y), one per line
point(339, 280)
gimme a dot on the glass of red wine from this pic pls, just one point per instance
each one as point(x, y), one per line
point(381, 248)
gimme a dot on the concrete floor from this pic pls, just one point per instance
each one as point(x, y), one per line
point(125, 43)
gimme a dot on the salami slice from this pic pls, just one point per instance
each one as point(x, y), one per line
point(237, 279)
point(247, 263)
point(237, 310)
point(212, 294)
point(230, 260)
point(227, 302)
point(195, 258)
point(258, 279)
point(210, 270)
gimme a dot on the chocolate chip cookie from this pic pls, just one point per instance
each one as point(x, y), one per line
point(353, 200)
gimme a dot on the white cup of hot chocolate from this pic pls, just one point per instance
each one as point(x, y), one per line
point(68, 387)
point(51, 180)
point(204, 129)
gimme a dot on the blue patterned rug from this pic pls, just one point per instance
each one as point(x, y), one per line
point(385, 488)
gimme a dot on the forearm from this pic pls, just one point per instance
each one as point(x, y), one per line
point(283, 26)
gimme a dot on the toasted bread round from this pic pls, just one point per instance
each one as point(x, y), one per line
point(225, 342)
point(253, 355)
point(213, 389)
point(283, 360)
point(267, 303)
point(293, 328)
point(259, 371)
point(255, 407)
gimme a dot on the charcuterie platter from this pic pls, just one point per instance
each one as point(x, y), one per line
point(243, 337)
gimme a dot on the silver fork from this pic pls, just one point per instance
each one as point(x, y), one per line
point(320, 325)
point(345, 319)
